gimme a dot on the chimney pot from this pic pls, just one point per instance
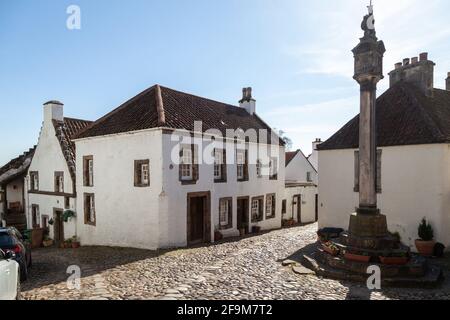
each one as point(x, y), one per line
point(414, 60)
point(424, 56)
point(247, 101)
point(406, 61)
point(398, 65)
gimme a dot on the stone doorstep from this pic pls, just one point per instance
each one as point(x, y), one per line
point(432, 278)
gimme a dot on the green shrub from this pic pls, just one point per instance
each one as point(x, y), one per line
point(426, 232)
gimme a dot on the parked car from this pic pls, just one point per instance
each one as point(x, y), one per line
point(12, 241)
point(9, 277)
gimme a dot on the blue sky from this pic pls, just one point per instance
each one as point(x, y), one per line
point(294, 53)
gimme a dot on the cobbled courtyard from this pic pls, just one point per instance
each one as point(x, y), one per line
point(247, 268)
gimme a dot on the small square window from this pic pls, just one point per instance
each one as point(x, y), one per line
point(142, 173)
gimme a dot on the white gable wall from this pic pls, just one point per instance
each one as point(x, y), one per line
point(415, 184)
point(126, 216)
point(47, 159)
point(298, 167)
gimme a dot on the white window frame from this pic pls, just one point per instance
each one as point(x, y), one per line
point(91, 172)
point(240, 163)
point(218, 162)
point(269, 203)
point(91, 209)
point(224, 212)
point(145, 173)
point(186, 163)
point(255, 210)
point(259, 168)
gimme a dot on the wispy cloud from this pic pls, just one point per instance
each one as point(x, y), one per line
point(408, 27)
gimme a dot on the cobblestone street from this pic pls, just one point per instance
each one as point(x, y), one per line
point(245, 269)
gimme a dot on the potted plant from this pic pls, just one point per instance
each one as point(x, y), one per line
point(75, 242)
point(425, 244)
point(68, 244)
point(331, 248)
point(357, 257)
point(396, 259)
point(68, 215)
point(218, 235)
point(48, 242)
point(256, 229)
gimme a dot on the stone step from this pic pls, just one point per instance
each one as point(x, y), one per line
point(432, 278)
point(382, 243)
point(416, 267)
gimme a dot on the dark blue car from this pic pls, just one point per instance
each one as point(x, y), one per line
point(12, 240)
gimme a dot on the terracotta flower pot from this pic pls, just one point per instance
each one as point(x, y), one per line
point(75, 245)
point(357, 258)
point(394, 261)
point(425, 248)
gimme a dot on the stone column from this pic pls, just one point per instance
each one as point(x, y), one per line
point(367, 147)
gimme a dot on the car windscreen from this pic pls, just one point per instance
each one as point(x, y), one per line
point(6, 241)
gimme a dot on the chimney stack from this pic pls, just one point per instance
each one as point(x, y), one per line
point(418, 71)
point(247, 102)
point(316, 143)
point(53, 110)
point(447, 82)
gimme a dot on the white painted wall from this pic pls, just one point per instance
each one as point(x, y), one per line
point(297, 169)
point(308, 203)
point(47, 159)
point(415, 184)
point(126, 216)
point(156, 217)
point(14, 191)
point(174, 221)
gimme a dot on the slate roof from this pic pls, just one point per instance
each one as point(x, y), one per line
point(16, 167)
point(405, 116)
point(178, 110)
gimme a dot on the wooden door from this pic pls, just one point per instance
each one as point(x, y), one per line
point(58, 227)
point(242, 213)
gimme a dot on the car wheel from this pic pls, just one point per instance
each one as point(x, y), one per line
point(18, 289)
point(23, 273)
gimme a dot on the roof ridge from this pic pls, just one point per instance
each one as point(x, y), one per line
point(200, 97)
point(114, 111)
point(76, 119)
point(160, 106)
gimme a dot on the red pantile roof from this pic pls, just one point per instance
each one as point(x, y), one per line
point(163, 107)
point(405, 116)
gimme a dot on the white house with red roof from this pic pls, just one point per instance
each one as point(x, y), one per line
point(50, 180)
point(300, 199)
point(170, 169)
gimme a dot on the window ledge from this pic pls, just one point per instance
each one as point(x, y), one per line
point(188, 182)
point(220, 181)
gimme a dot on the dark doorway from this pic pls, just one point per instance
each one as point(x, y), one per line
point(58, 226)
point(297, 207)
point(243, 213)
point(198, 218)
point(317, 207)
